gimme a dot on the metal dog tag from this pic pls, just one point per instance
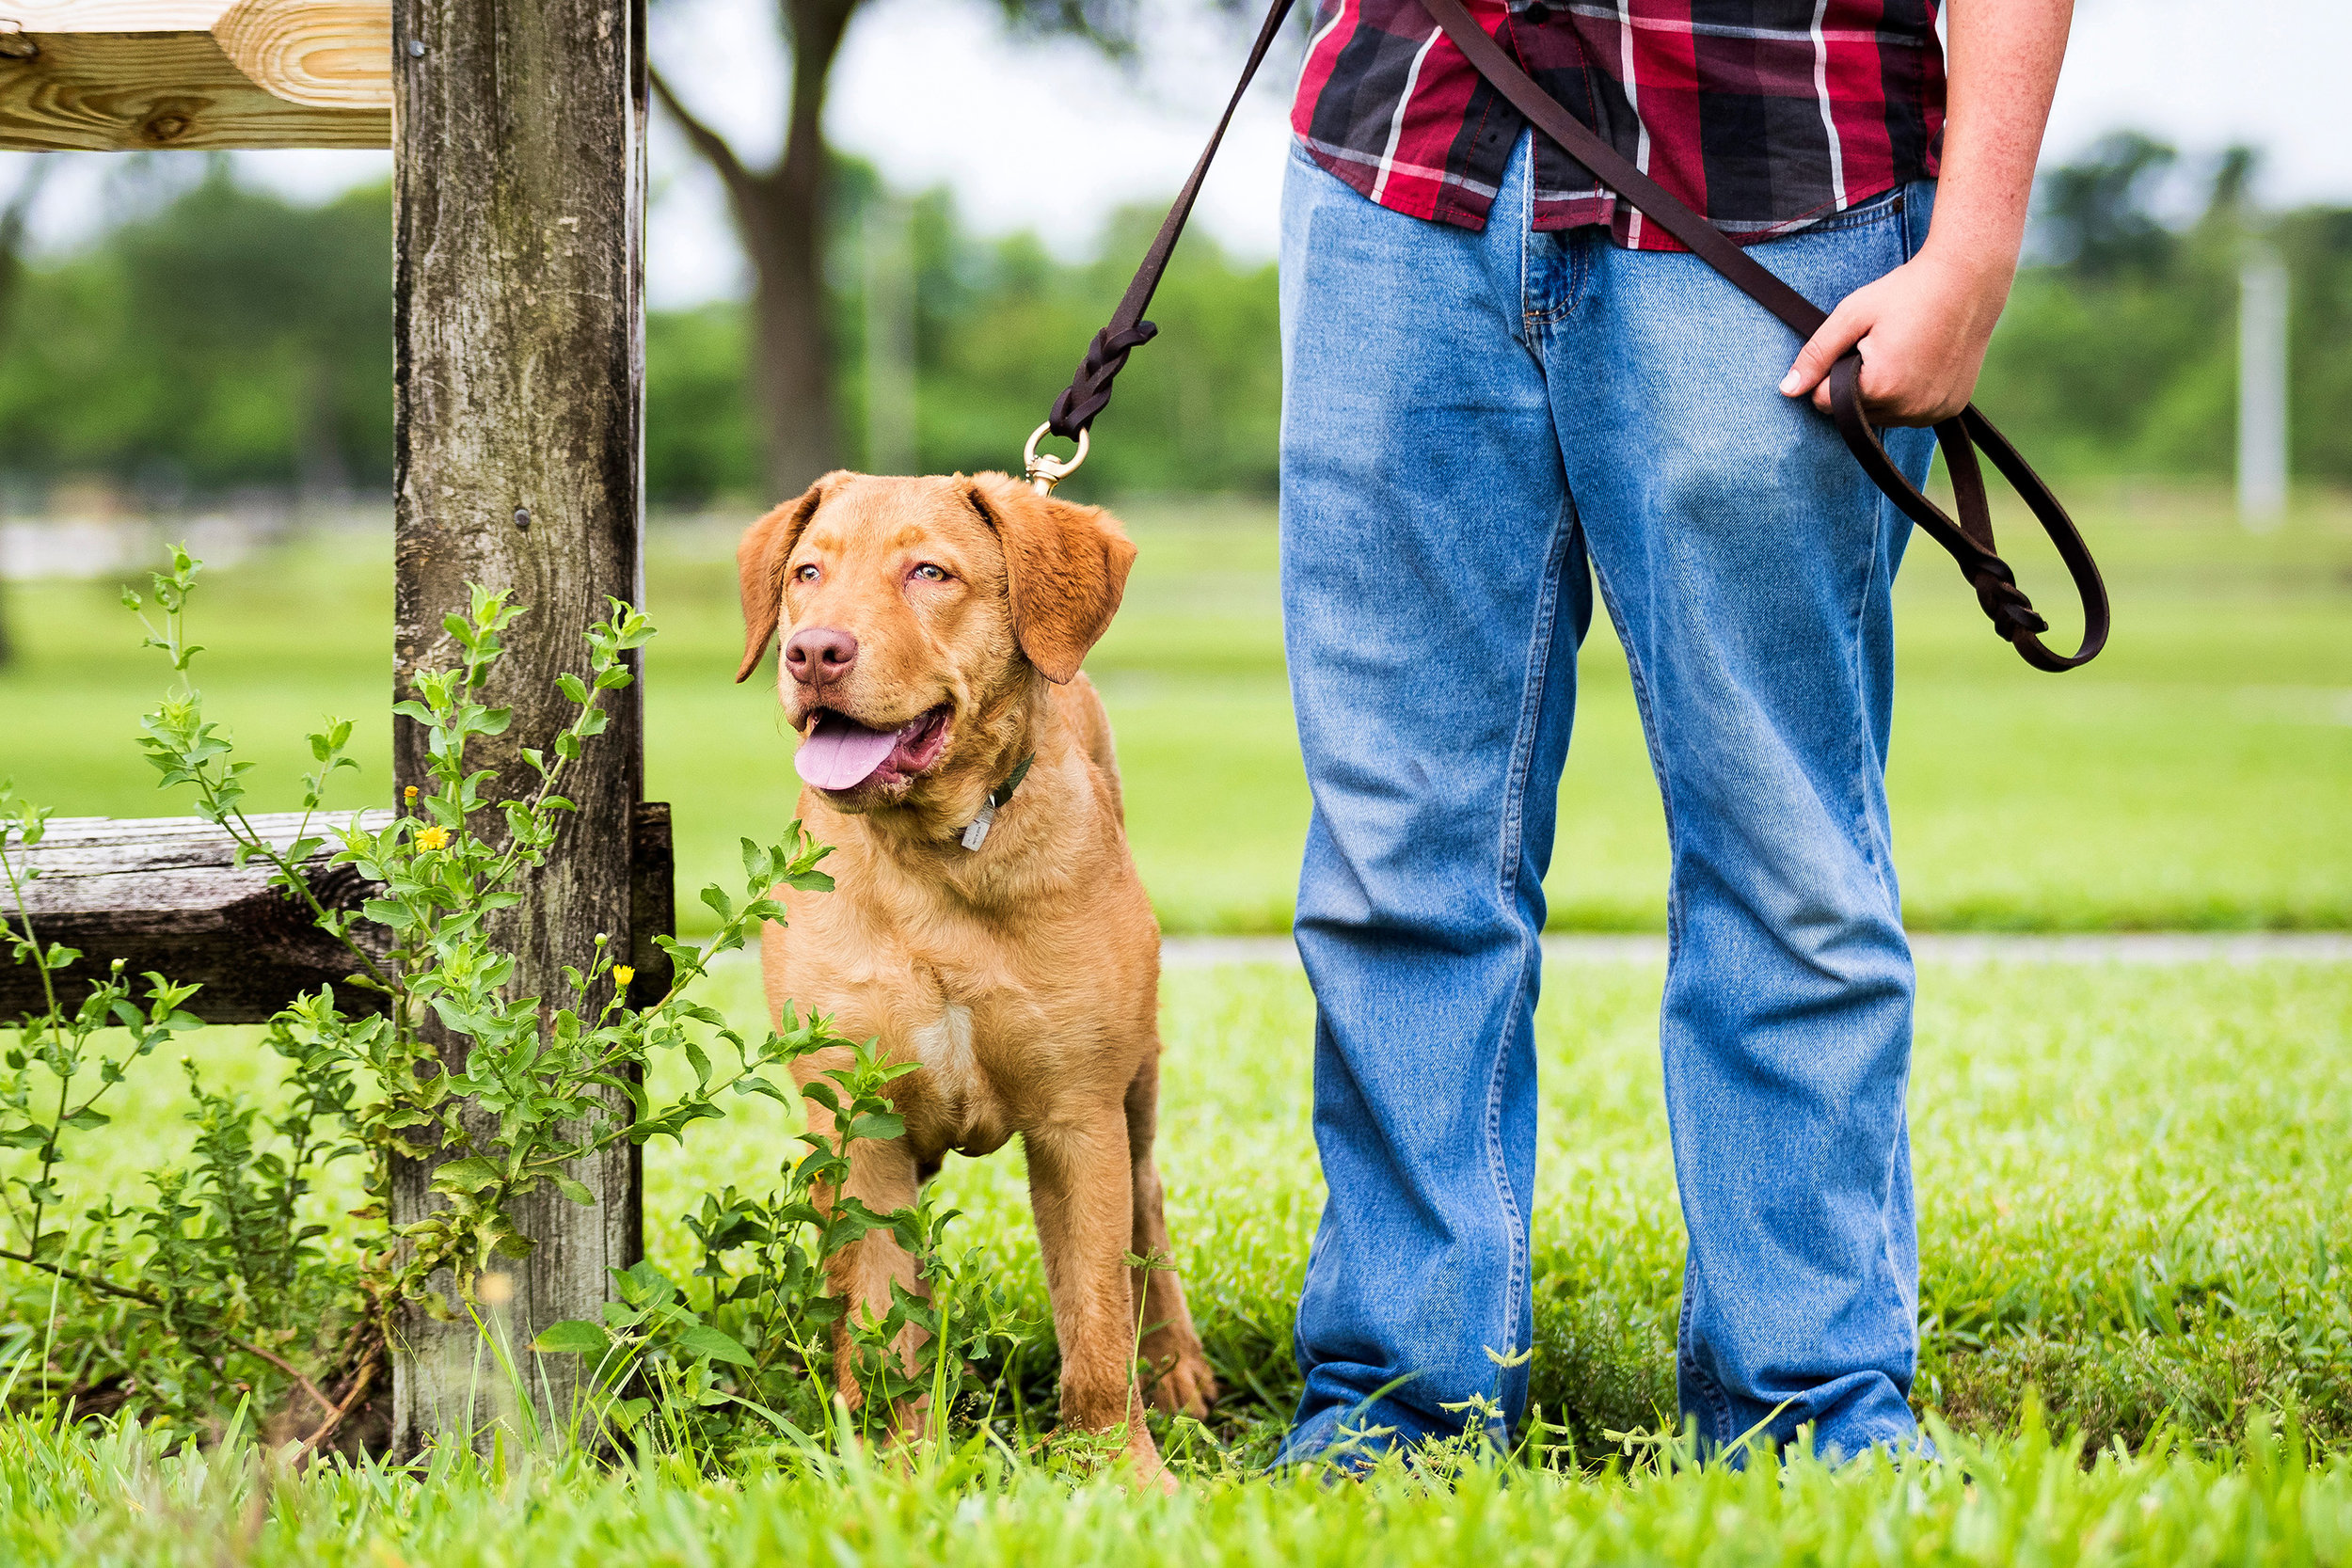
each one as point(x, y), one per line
point(976, 834)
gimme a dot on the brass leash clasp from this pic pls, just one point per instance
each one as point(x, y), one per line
point(1044, 470)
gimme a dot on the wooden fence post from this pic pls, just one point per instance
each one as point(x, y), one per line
point(519, 190)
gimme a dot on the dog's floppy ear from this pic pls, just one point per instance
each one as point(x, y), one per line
point(1065, 568)
point(759, 562)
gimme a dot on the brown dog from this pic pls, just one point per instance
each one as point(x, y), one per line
point(932, 630)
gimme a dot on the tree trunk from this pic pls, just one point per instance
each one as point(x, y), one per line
point(780, 218)
point(792, 365)
point(14, 218)
point(519, 190)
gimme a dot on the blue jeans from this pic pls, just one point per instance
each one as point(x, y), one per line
point(1468, 419)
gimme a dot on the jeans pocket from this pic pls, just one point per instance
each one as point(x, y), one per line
point(1886, 207)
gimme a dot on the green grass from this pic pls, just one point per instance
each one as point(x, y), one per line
point(2191, 778)
point(112, 1502)
point(2132, 1210)
point(2131, 1189)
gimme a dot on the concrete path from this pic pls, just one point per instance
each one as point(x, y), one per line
point(2137, 947)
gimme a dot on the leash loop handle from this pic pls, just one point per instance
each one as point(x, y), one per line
point(1969, 538)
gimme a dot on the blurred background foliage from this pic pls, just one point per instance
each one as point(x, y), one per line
point(220, 338)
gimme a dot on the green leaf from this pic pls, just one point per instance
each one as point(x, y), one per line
point(386, 912)
point(701, 1339)
point(469, 1175)
point(573, 1337)
point(578, 1192)
point(642, 1285)
point(878, 1125)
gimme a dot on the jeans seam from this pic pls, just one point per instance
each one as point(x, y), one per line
point(1860, 780)
point(1529, 320)
point(1507, 888)
point(1657, 757)
point(1718, 1401)
point(1861, 214)
point(1877, 848)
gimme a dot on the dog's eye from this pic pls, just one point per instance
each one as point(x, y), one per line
point(929, 572)
point(807, 573)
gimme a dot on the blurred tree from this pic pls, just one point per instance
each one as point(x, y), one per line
point(226, 337)
point(2119, 350)
point(780, 215)
point(996, 328)
point(2316, 245)
point(699, 443)
point(2097, 214)
point(216, 337)
point(14, 216)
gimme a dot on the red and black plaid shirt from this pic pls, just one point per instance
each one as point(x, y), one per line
point(1763, 114)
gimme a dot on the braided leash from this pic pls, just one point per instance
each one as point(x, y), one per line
point(1968, 538)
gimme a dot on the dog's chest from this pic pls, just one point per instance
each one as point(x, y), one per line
point(946, 1029)
point(944, 1046)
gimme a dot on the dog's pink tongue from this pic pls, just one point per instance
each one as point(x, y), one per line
point(840, 754)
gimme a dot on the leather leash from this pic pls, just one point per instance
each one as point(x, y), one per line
point(1969, 539)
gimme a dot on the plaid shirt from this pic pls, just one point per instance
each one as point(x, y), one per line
point(1763, 114)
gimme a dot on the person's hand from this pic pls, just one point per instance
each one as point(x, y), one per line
point(1922, 329)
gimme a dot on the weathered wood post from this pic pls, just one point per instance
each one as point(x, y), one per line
point(518, 130)
point(519, 185)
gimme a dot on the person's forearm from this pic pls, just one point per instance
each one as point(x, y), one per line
point(1923, 329)
point(2002, 65)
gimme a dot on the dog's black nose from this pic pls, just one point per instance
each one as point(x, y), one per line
point(820, 655)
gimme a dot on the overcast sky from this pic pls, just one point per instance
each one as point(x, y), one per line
point(1051, 137)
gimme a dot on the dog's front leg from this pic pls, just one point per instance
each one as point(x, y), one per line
point(1080, 1187)
point(1172, 1354)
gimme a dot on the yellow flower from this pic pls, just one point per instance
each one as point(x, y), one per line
point(435, 837)
point(623, 974)
point(409, 795)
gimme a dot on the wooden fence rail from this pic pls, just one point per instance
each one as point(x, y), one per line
point(165, 893)
point(142, 75)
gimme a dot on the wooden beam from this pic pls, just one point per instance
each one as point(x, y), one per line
point(165, 893)
point(518, 180)
point(137, 76)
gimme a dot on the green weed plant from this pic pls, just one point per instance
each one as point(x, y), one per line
point(220, 1291)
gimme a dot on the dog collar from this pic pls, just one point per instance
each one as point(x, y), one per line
point(976, 834)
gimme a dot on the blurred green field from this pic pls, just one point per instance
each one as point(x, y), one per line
point(2194, 777)
point(2131, 1178)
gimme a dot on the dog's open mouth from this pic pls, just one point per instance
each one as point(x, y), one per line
point(841, 754)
